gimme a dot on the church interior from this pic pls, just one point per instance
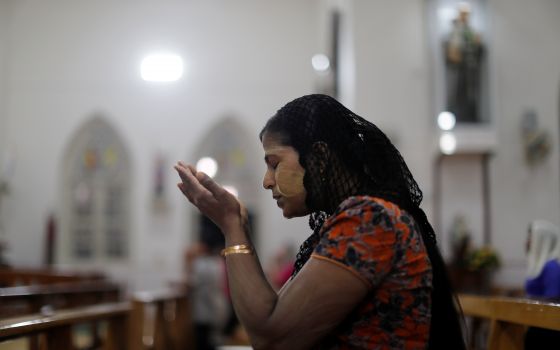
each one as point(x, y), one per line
point(99, 100)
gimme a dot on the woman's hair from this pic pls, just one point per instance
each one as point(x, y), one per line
point(345, 155)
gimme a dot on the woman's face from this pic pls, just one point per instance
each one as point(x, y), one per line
point(284, 176)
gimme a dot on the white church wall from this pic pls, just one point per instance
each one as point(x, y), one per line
point(527, 75)
point(5, 153)
point(5, 7)
point(462, 186)
point(69, 59)
point(392, 78)
point(393, 90)
point(3, 43)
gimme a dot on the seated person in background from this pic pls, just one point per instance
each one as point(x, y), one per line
point(543, 271)
point(281, 267)
point(206, 286)
point(543, 277)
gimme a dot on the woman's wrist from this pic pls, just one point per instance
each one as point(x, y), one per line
point(236, 238)
point(236, 230)
point(237, 249)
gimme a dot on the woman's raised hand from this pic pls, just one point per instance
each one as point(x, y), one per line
point(210, 198)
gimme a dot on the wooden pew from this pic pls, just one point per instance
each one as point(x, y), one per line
point(129, 325)
point(510, 317)
point(162, 321)
point(55, 331)
point(23, 300)
point(10, 277)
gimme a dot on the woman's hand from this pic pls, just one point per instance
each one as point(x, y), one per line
point(211, 199)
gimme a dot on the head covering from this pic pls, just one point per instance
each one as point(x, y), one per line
point(545, 246)
point(343, 154)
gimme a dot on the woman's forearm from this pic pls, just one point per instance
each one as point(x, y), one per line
point(253, 297)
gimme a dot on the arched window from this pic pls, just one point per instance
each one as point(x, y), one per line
point(95, 217)
point(234, 152)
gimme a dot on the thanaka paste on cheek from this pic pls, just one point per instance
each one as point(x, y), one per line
point(289, 182)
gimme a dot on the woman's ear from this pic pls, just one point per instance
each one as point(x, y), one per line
point(321, 155)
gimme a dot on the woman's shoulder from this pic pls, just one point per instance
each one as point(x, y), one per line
point(367, 210)
point(358, 204)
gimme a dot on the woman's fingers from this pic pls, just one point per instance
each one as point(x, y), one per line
point(190, 167)
point(191, 187)
point(210, 184)
point(186, 176)
point(190, 176)
point(208, 196)
point(179, 165)
point(183, 189)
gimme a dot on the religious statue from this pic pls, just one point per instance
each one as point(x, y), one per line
point(463, 56)
point(537, 144)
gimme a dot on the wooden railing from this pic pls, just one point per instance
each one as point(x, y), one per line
point(10, 277)
point(56, 331)
point(510, 317)
point(161, 321)
point(150, 321)
point(36, 298)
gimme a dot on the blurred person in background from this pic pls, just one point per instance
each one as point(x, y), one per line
point(205, 278)
point(543, 278)
point(281, 267)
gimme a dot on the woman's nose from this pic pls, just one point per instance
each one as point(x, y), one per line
point(268, 181)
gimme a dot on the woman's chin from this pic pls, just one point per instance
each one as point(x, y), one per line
point(290, 214)
point(287, 214)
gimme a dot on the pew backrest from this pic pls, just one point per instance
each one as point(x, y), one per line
point(32, 299)
point(58, 327)
point(11, 277)
point(510, 317)
point(171, 327)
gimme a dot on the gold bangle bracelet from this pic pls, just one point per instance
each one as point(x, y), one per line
point(237, 249)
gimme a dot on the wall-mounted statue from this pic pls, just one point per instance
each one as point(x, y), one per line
point(536, 141)
point(464, 52)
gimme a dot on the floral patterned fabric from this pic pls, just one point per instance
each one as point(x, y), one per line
point(382, 245)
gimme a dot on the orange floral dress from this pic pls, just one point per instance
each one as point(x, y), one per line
point(381, 244)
